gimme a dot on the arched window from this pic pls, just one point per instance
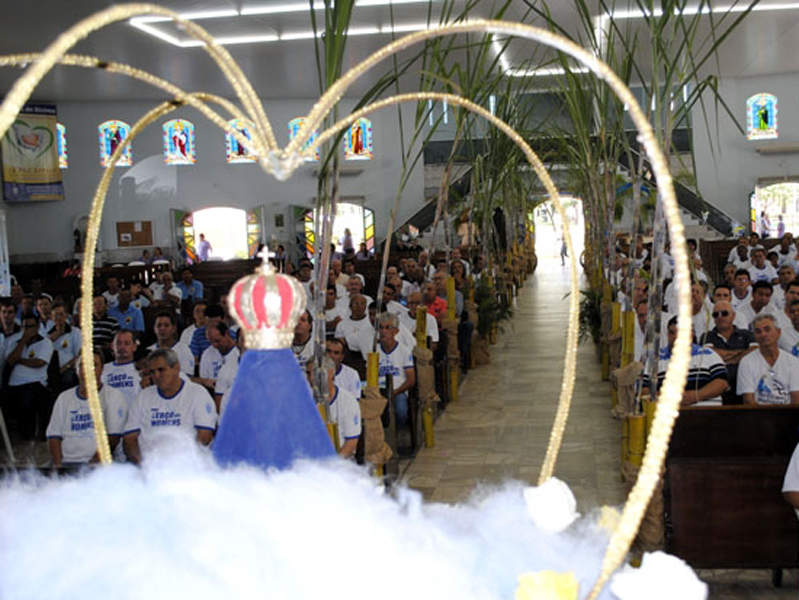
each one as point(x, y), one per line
point(179, 142)
point(294, 129)
point(232, 232)
point(235, 152)
point(761, 117)
point(63, 158)
point(111, 134)
point(358, 141)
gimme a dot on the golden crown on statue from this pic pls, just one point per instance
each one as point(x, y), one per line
point(267, 306)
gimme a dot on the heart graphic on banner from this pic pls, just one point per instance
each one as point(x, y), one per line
point(31, 141)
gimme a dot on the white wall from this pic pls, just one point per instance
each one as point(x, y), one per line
point(727, 179)
point(149, 189)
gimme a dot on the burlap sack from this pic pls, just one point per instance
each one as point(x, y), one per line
point(623, 380)
point(450, 327)
point(651, 533)
point(480, 351)
point(425, 377)
point(376, 450)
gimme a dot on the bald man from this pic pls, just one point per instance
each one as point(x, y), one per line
point(731, 343)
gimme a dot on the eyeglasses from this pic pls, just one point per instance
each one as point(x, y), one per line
point(721, 313)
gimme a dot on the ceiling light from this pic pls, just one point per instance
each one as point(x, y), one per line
point(543, 72)
point(273, 9)
point(694, 10)
point(299, 35)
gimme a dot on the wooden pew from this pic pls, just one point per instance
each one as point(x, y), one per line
point(723, 500)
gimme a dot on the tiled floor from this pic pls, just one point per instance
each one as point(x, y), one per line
point(500, 427)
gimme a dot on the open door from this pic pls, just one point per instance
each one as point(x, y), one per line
point(183, 236)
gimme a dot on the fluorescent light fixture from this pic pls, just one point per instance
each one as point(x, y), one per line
point(387, 2)
point(404, 28)
point(274, 9)
point(299, 35)
point(694, 10)
point(492, 104)
point(192, 16)
point(363, 30)
point(156, 33)
point(543, 72)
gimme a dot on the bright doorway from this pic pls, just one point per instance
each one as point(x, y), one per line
point(549, 229)
point(225, 228)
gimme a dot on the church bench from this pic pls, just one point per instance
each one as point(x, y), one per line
point(723, 502)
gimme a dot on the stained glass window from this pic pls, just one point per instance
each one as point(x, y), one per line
point(294, 129)
point(63, 158)
point(179, 142)
point(358, 141)
point(310, 237)
point(112, 133)
point(369, 229)
point(236, 152)
point(761, 117)
point(185, 227)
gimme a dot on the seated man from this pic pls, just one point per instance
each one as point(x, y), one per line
point(165, 329)
point(140, 296)
point(28, 355)
point(707, 374)
point(435, 306)
point(222, 349)
point(741, 292)
point(227, 376)
point(761, 296)
point(70, 434)
point(334, 312)
point(349, 329)
point(395, 360)
point(303, 346)
point(112, 290)
point(340, 278)
point(731, 343)
point(786, 275)
point(389, 302)
point(354, 288)
point(127, 315)
point(66, 341)
point(344, 411)
point(44, 308)
point(198, 320)
point(760, 270)
point(722, 293)
point(104, 325)
point(770, 375)
point(168, 295)
point(171, 404)
point(122, 374)
point(190, 288)
point(702, 320)
point(346, 377)
point(407, 319)
point(789, 333)
point(8, 318)
point(199, 340)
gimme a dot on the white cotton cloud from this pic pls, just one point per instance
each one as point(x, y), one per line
point(181, 527)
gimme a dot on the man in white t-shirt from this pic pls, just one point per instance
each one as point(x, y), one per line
point(172, 404)
point(199, 320)
point(122, 374)
point(346, 377)
point(227, 374)
point(343, 410)
point(165, 329)
point(786, 275)
point(769, 375)
point(354, 288)
point(66, 342)
point(389, 303)
point(789, 326)
point(222, 349)
point(168, 294)
point(739, 255)
point(740, 291)
point(407, 319)
point(349, 329)
point(334, 312)
point(760, 270)
point(303, 345)
point(395, 360)
point(111, 294)
point(70, 434)
point(28, 355)
point(759, 303)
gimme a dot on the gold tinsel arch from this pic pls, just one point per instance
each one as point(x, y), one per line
point(282, 163)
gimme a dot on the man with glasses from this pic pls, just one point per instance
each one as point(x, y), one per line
point(771, 375)
point(731, 343)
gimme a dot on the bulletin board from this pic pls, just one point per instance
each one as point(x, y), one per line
point(134, 233)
